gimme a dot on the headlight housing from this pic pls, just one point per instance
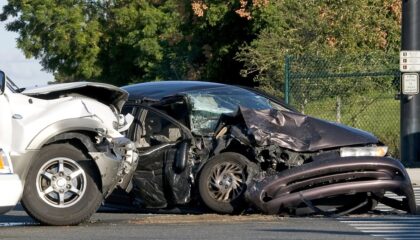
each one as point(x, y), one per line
point(5, 164)
point(376, 151)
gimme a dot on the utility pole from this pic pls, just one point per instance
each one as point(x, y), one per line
point(410, 67)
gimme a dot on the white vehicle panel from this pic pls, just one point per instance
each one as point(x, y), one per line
point(10, 191)
point(31, 115)
point(5, 123)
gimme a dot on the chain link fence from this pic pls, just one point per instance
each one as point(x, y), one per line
point(356, 91)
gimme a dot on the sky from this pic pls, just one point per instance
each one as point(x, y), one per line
point(24, 72)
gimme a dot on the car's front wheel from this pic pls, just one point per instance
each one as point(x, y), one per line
point(62, 186)
point(222, 182)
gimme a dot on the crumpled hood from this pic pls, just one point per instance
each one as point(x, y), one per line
point(298, 132)
point(105, 93)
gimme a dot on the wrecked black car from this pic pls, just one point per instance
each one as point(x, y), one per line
point(229, 147)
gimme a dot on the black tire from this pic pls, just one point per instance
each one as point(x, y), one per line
point(74, 199)
point(235, 203)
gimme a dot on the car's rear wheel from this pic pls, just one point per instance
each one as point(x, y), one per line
point(222, 183)
point(62, 186)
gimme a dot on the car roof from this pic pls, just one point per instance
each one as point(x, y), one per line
point(161, 89)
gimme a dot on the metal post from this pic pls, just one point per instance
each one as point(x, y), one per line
point(410, 105)
point(286, 78)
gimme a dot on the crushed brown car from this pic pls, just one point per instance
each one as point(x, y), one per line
point(232, 147)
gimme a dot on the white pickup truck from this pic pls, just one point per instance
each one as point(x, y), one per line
point(66, 147)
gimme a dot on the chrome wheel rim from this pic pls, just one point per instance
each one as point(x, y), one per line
point(226, 182)
point(61, 182)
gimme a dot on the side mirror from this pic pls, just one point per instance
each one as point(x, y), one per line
point(2, 82)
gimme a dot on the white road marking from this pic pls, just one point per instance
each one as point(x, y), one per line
point(388, 227)
point(385, 208)
point(15, 224)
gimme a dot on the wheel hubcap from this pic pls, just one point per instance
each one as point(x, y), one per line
point(61, 182)
point(226, 182)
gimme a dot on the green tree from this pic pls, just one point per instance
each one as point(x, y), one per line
point(114, 41)
point(133, 40)
point(65, 35)
point(326, 29)
point(123, 41)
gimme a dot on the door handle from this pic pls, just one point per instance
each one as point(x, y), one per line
point(17, 116)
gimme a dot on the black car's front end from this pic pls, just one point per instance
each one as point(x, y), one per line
point(285, 160)
point(313, 161)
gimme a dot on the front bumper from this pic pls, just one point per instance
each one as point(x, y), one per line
point(331, 178)
point(116, 166)
point(10, 191)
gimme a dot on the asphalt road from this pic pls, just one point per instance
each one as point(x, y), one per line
point(116, 225)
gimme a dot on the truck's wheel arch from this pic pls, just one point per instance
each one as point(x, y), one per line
point(77, 131)
point(80, 138)
point(61, 127)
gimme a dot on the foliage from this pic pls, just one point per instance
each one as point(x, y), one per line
point(326, 29)
point(123, 41)
point(114, 41)
point(131, 40)
point(58, 33)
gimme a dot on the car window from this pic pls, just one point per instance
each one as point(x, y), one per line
point(127, 109)
point(208, 105)
point(154, 129)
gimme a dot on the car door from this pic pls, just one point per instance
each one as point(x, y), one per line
point(162, 175)
point(6, 115)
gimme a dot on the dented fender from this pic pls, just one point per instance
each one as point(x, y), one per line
point(116, 160)
point(67, 125)
point(117, 166)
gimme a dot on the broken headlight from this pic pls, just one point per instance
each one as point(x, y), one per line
point(363, 151)
point(5, 165)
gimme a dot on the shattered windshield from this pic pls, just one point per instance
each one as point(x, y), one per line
point(207, 106)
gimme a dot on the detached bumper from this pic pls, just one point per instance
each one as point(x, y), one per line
point(10, 191)
point(334, 177)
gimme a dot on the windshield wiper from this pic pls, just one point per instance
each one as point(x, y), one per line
point(12, 86)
